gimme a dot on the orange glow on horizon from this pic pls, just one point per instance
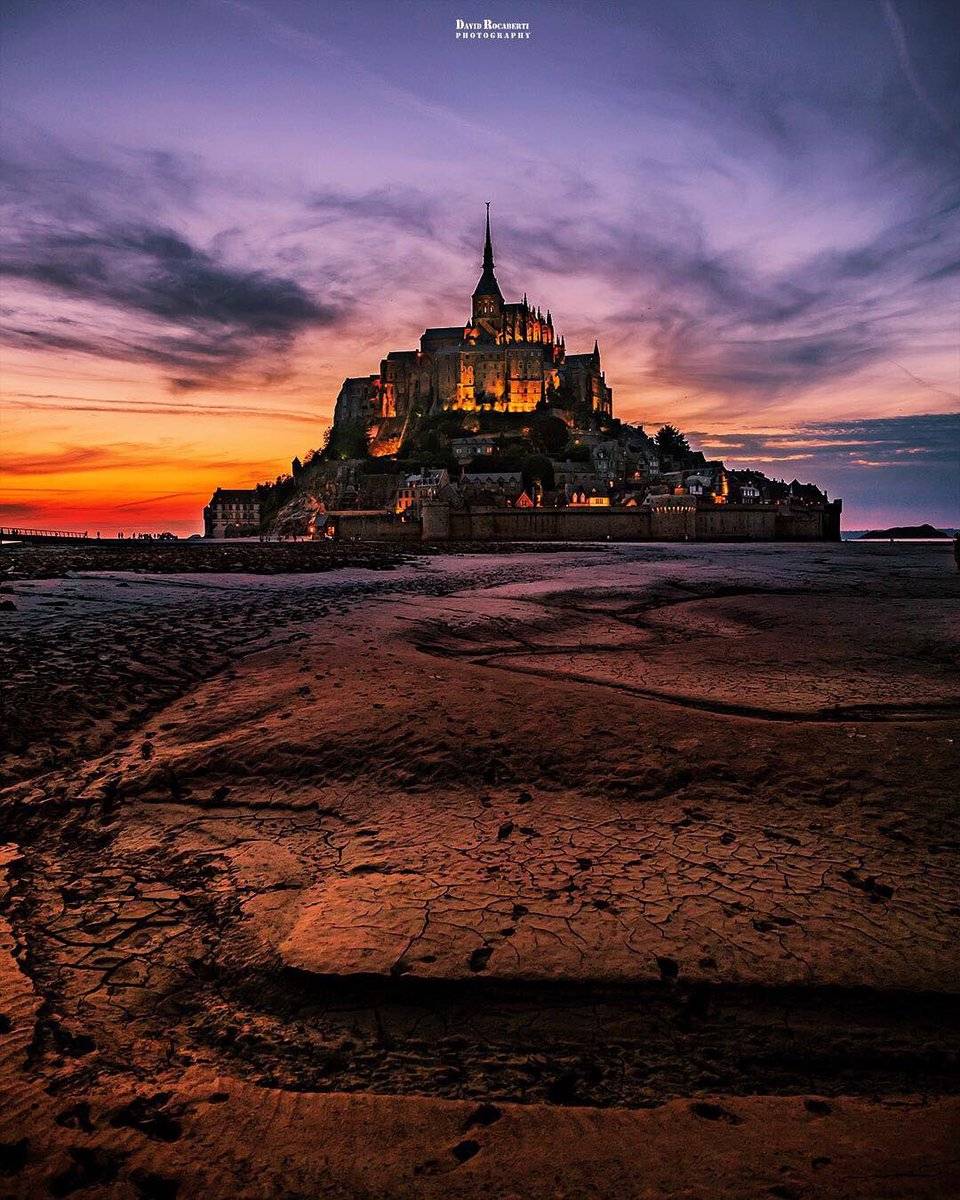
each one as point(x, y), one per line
point(93, 444)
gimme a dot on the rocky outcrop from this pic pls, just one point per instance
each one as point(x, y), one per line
point(300, 517)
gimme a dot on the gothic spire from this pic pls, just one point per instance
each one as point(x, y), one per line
point(488, 285)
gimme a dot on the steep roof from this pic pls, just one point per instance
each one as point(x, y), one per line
point(488, 285)
point(491, 477)
point(234, 495)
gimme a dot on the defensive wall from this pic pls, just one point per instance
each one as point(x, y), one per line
point(670, 522)
point(369, 525)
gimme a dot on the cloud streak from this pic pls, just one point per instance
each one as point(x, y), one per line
point(86, 460)
point(52, 402)
point(713, 320)
point(926, 437)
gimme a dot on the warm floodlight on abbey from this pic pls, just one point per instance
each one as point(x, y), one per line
point(507, 357)
point(490, 430)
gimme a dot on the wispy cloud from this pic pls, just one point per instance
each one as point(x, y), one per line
point(715, 321)
point(906, 61)
point(756, 207)
point(931, 438)
point(73, 459)
point(148, 501)
point(83, 460)
point(53, 402)
point(409, 209)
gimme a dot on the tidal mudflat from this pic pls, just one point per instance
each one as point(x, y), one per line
point(615, 871)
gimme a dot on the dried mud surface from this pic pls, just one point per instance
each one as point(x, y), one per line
point(624, 871)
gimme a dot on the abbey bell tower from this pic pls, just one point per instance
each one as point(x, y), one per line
point(505, 358)
point(487, 297)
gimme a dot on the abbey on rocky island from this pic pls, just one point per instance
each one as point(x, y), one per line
point(505, 358)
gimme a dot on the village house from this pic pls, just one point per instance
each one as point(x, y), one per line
point(420, 487)
point(232, 512)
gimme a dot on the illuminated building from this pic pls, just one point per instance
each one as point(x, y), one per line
point(507, 357)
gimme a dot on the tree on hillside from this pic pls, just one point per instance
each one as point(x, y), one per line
point(534, 468)
point(548, 433)
point(671, 443)
point(577, 452)
point(345, 441)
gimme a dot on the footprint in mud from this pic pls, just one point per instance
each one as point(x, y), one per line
point(714, 1112)
point(77, 1116)
point(869, 884)
point(768, 926)
point(151, 1186)
point(14, 1156)
point(480, 957)
point(485, 1114)
point(147, 1115)
point(89, 1167)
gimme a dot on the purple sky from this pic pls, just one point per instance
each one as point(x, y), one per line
point(216, 210)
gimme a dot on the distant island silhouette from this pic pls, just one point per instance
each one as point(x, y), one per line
point(904, 531)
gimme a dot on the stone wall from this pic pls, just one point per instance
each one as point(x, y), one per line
point(730, 522)
point(819, 524)
point(369, 526)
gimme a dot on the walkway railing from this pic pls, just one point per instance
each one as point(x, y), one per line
point(18, 531)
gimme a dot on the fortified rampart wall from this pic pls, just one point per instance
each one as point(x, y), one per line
point(730, 522)
point(367, 526)
point(669, 523)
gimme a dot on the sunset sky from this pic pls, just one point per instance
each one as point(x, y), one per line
point(217, 209)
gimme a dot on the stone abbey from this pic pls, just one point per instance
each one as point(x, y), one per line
point(505, 358)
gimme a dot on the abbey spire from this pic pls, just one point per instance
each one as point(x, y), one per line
point(487, 297)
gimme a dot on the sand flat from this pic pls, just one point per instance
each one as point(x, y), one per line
point(592, 837)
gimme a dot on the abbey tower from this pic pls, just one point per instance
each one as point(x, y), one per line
point(507, 357)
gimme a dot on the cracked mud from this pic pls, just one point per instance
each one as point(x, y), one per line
point(652, 848)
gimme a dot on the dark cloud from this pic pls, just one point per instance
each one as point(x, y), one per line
point(177, 306)
point(153, 271)
point(149, 500)
point(16, 510)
